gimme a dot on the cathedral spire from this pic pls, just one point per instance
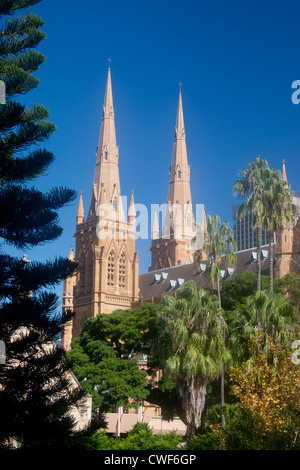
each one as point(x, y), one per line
point(179, 180)
point(175, 244)
point(106, 178)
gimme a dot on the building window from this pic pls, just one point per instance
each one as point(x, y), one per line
point(179, 174)
point(111, 269)
point(122, 271)
point(105, 156)
point(115, 205)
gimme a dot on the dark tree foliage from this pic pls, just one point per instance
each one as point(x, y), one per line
point(238, 288)
point(104, 357)
point(35, 397)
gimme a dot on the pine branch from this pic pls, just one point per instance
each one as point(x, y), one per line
point(7, 7)
point(25, 169)
point(20, 34)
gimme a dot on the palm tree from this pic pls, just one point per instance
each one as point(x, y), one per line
point(218, 243)
point(270, 201)
point(250, 186)
point(265, 318)
point(190, 347)
point(278, 209)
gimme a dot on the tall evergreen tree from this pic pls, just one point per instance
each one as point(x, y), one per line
point(35, 397)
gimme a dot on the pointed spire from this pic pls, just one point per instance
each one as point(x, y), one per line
point(284, 177)
point(179, 130)
point(155, 226)
point(179, 181)
point(106, 178)
point(108, 106)
point(131, 210)
point(80, 210)
point(71, 256)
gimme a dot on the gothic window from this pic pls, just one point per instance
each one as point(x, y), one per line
point(105, 155)
point(179, 174)
point(115, 205)
point(122, 271)
point(89, 273)
point(82, 271)
point(111, 269)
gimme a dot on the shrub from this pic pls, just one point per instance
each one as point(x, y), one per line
point(207, 441)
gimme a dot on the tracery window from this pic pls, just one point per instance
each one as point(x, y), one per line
point(111, 269)
point(122, 270)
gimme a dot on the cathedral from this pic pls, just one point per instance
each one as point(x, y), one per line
point(107, 277)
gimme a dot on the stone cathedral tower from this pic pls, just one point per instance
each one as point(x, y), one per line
point(285, 242)
point(108, 267)
point(174, 246)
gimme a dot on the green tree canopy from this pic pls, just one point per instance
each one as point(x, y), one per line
point(105, 356)
point(264, 316)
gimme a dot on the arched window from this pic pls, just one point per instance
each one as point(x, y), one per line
point(115, 205)
point(122, 271)
point(105, 155)
point(111, 269)
point(179, 174)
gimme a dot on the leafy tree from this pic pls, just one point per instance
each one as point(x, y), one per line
point(35, 397)
point(289, 285)
point(129, 331)
point(113, 379)
point(189, 347)
point(140, 437)
point(264, 316)
point(237, 288)
point(270, 394)
point(244, 433)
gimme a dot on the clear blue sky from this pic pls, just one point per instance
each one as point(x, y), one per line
point(236, 60)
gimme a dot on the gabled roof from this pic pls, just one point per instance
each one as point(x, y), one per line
point(154, 284)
